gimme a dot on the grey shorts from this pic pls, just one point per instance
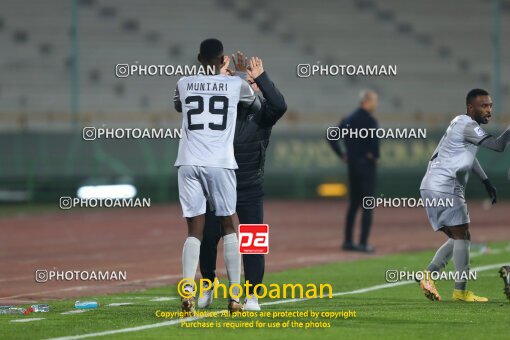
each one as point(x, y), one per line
point(198, 184)
point(445, 216)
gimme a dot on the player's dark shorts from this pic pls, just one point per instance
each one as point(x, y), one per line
point(444, 215)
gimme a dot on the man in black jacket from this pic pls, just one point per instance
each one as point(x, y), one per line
point(361, 158)
point(253, 130)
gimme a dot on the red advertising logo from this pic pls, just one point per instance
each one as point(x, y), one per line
point(254, 238)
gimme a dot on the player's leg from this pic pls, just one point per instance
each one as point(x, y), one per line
point(355, 200)
point(438, 263)
point(250, 210)
point(208, 255)
point(232, 260)
point(443, 254)
point(191, 249)
point(193, 206)
point(456, 222)
point(461, 243)
point(221, 188)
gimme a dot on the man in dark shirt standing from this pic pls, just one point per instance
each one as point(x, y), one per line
point(361, 157)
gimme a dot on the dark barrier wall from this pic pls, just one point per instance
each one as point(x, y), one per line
point(49, 165)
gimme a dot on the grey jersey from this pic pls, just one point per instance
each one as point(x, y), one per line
point(449, 168)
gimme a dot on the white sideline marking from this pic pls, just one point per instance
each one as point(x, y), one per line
point(490, 252)
point(76, 311)
point(279, 302)
point(117, 304)
point(27, 320)
point(357, 291)
point(158, 299)
point(129, 297)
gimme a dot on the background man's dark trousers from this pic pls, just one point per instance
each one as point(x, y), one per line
point(362, 177)
point(250, 210)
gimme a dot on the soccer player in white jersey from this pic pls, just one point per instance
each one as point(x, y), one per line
point(206, 162)
point(446, 179)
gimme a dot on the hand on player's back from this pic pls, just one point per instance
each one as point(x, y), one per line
point(255, 67)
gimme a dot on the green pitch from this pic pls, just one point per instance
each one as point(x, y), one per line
point(381, 311)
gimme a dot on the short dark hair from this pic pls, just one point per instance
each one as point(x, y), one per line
point(211, 49)
point(475, 93)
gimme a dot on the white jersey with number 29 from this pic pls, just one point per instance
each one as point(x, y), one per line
point(209, 112)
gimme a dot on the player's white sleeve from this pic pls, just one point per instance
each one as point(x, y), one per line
point(248, 98)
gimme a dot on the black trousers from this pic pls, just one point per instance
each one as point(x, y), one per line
point(250, 210)
point(362, 179)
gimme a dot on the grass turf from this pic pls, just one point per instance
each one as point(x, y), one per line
point(396, 312)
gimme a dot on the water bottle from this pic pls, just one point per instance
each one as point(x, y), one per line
point(13, 310)
point(40, 308)
point(86, 304)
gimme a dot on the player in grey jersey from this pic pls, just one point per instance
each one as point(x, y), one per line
point(447, 175)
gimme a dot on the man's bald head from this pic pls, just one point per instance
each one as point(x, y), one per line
point(368, 100)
